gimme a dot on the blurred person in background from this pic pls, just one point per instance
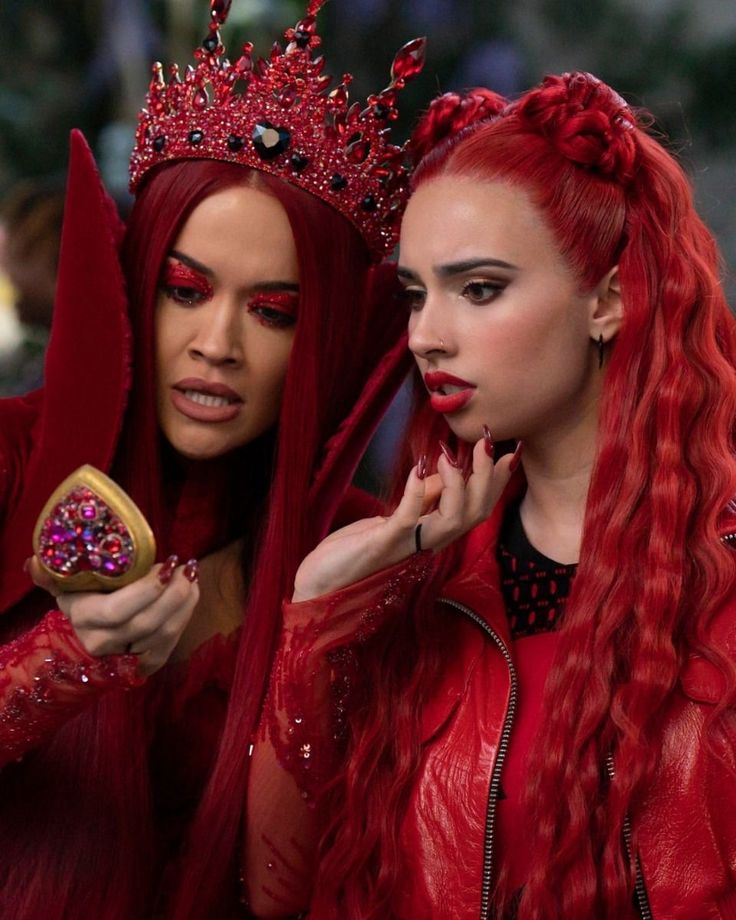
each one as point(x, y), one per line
point(31, 217)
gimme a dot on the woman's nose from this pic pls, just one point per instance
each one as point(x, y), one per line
point(218, 338)
point(428, 334)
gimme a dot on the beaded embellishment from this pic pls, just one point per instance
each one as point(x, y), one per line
point(279, 116)
point(91, 536)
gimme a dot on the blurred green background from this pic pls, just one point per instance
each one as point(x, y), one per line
point(86, 63)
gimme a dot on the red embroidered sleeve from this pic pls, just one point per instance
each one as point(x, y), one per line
point(299, 747)
point(316, 678)
point(46, 678)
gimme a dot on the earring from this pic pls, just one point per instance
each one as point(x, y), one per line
point(600, 352)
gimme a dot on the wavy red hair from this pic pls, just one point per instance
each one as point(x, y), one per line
point(663, 476)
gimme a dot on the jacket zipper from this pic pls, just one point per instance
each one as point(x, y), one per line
point(493, 789)
point(640, 890)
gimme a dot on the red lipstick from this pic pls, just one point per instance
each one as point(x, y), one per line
point(448, 402)
point(205, 401)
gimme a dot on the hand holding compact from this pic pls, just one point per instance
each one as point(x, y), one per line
point(447, 505)
point(145, 618)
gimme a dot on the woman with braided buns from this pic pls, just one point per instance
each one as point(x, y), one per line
point(551, 726)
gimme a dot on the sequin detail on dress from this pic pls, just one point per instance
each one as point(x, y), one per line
point(316, 680)
point(46, 678)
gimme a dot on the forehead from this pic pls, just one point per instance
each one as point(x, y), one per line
point(240, 228)
point(451, 219)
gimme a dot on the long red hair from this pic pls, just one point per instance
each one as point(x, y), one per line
point(77, 828)
point(663, 476)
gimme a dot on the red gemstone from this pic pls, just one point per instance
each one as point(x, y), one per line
point(288, 95)
point(409, 60)
point(200, 100)
point(339, 96)
point(244, 64)
point(220, 9)
point(358, 151)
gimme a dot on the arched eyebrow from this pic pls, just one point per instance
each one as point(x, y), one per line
point(267, 286)
point(192, 263)
point(457, 268)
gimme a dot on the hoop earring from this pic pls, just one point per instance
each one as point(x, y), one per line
point(600, 352)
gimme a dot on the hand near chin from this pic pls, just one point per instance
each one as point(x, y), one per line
point(145, 618)
point(447, 505)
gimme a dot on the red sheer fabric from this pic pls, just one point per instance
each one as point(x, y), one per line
point(47, 678)
point(301, 741)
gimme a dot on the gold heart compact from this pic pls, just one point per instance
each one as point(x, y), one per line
point(91, 536)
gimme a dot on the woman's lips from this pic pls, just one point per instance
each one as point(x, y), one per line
point(204, 401)
point(448, 393)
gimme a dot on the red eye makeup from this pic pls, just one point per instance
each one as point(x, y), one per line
point(185, 285)
point(275, 308)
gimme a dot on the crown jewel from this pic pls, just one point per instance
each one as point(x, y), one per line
point(278, 116)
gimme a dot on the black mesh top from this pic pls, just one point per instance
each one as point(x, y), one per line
point(534, 587)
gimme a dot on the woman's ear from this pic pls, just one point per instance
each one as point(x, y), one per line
point(606, 307)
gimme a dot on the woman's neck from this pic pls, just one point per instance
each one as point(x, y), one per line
point(558, 467)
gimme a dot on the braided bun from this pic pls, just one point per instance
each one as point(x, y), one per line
point(586, 121)
point(448, 114)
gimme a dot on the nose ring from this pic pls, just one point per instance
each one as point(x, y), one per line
point(442, 343)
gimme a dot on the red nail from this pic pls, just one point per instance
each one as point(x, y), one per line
point(488, 442)
point(422, 467)
point(167, 569)
point(191, 570)
point(449, 456)
point(516, 459)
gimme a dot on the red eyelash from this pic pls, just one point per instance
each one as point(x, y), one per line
point(179, 275)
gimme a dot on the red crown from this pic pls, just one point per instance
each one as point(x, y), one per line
point(277, 116)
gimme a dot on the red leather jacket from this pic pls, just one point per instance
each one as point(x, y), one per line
point(685, 828)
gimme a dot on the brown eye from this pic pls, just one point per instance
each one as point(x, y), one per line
point(481, 292)
point(184, 295)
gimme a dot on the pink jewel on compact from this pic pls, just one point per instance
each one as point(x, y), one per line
point(91, 536)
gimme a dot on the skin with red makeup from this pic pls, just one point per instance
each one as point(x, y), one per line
point(225, 323)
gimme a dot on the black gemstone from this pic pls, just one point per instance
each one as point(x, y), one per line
point(196, 137)
point(235, 143)
point(338, 182)
point(159, 143)
point(302, 38)
point(299, 162)
point(210, 43)
point(381, 111)
point(368, 203)
point(269, 141)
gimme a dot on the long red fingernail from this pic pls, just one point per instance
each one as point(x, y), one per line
point(191, 570)
point(488, 442)
point(167, 569)
point(422, 467)
point(516, 459)
point(449, 456)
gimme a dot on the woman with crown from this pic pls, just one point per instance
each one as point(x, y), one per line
point(211, 357)
point(550, 730)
